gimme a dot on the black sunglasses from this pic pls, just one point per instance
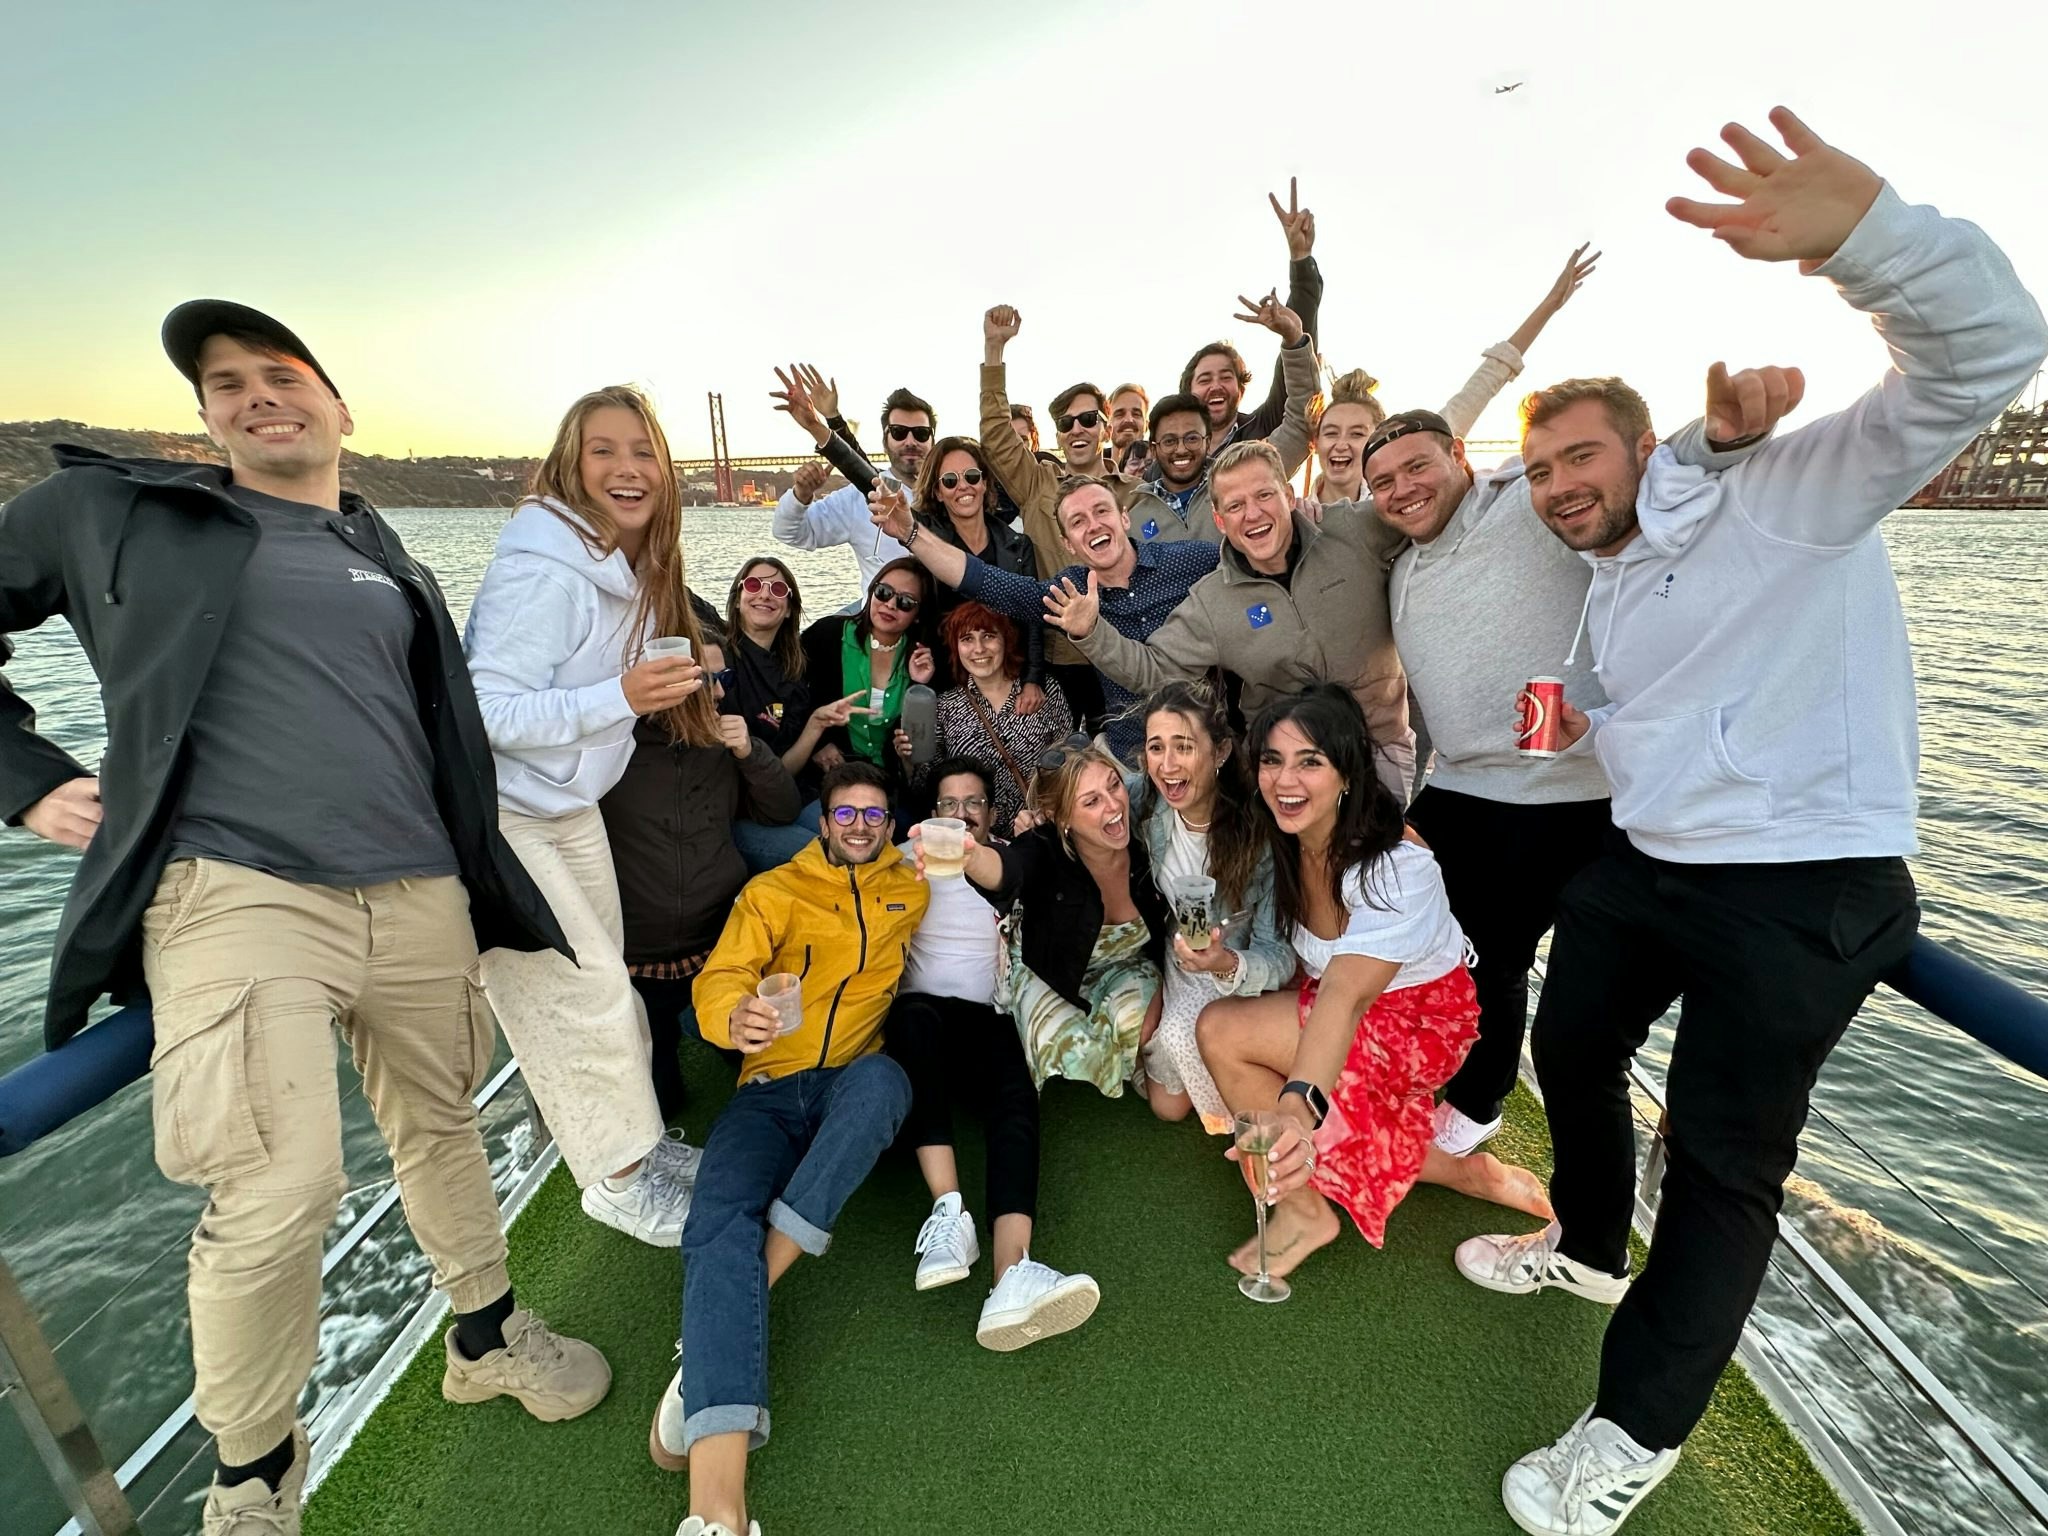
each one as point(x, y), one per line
point(774, 586)
point(1080, 419)
point(722, 677)
point(1052, 757)
point(898, 434)
point(902, 601)
point(952, 481)
point(873, 815)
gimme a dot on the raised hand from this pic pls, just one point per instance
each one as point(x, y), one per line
point(1800, 209)
point(795, 400)
point(824, 392)
point(810, 479)
point(998, 328)
point(922, 664)
point(1075, 609)
point(1577, 268)
point(1296, 221)
point(660, 683)
point(839, 711)
point(1273, 315)
point(68, 815)
point(1750, 403)
point(889, 510)
point(738, 739)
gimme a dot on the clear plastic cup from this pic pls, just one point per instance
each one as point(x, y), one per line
point(1194, 905)
point(945, 848)
point(669, 645)
point(784, 992)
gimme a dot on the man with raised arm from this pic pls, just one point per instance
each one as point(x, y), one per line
point(805, 520)
point(1217, 375)
point(1760, 737)
point(294, 830)
point(1483, 599)
point(817, 1103)
point(1138, 586)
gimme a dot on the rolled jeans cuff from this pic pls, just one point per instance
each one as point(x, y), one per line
point(785, 1219)
point(727, 1419)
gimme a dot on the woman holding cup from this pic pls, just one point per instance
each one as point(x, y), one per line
point(1197, 814)
point(1087, 925)
point(861, 664)
point(585, 585)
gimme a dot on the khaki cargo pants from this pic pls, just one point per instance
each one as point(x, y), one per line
point(249, 976)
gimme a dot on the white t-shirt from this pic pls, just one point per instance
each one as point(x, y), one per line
point(1187, 852)
point(955, 951)
point(1411, 925)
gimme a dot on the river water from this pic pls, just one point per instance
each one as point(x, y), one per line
point(1922, 1176)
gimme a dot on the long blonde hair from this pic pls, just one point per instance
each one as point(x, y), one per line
point(663, 606)
point(1053, 790)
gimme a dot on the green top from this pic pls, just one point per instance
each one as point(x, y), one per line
point(871, 733)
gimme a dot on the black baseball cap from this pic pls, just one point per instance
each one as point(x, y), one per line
point(1400, 425)
point(187, 327)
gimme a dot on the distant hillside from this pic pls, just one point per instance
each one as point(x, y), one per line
point(445, 482)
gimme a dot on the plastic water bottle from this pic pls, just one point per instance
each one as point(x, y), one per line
point(921, 722)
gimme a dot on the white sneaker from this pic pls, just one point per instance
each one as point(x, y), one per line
point(946, 1244)
point(1522, 1266)
point(677, 1156)
point(1458, 1133)
point(1586, 1484)
point(696, 1525)
point(652, 1208)
point(1033, 1302)
point(665, 1434)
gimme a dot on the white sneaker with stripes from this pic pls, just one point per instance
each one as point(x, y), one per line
point(1586, 1484)
point(1522, 1266)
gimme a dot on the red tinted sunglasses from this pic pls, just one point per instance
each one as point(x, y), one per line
point(774, 586)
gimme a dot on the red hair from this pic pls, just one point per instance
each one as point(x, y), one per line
point(970, 616)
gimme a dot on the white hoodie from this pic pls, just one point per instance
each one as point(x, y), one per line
point(546, 642)
point(1751, 637)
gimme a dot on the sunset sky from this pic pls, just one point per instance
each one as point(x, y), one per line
point(474, 212)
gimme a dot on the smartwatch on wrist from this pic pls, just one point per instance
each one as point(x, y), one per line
point(1318, 1102)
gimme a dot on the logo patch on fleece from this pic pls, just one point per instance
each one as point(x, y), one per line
point(1151, 528)
point(1259, 615)
point(896, 906)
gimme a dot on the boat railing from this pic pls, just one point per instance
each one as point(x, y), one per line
point(55, 1088)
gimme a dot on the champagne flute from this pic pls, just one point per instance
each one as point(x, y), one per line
point(1255, 1132)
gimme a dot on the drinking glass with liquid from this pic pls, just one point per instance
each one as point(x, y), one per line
point(944, 839)
point(784, 992)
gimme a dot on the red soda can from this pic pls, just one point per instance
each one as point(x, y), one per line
point(1539, 717)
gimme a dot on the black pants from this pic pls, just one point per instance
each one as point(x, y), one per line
point(669, 1018)
point(1504, 868)
point(1772, 961)
point(1082, 685)
point(957, 1052)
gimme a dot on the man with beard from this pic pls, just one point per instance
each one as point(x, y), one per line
point(1139, 586)
point(1217, 375)
point(817, 1104)
point(1128, 407)
point(1174, 504)
point(1761, 741)
point(842, 516)
point(1482, 600)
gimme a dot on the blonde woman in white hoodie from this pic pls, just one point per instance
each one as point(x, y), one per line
point(588, 570)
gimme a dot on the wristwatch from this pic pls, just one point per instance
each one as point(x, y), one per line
point(1318, 1102)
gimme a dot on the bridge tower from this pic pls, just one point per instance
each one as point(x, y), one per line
point(721, 458)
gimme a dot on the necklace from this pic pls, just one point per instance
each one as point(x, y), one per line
point(876, 645)
point(1195, 826)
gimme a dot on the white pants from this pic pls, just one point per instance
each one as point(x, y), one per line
point(580, 1031)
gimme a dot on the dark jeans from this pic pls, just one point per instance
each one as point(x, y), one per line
point(957, 1052)
point(786, 1154)
point(669, 1019)
point(1772, 961)
point(1504, 867)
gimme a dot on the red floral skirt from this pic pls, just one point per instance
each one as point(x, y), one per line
point(1370, 1150)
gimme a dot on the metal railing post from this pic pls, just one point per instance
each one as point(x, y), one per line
point(30, 1375)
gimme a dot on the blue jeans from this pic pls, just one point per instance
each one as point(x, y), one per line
point(764, 847)
point(785, 1154)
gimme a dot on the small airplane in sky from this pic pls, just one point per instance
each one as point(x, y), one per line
point(1502, 90)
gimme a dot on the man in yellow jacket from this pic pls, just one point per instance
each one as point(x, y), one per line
point(816, 1105)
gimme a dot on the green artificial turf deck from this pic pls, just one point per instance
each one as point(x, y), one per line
point(1387, 1396)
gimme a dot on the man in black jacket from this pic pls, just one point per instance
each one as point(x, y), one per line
point(294, 828)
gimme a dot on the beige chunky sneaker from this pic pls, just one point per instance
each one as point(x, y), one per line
point(251, 1509)
point(556, 1378)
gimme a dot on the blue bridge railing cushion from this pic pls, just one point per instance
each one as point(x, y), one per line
point(2005, 1016)
point(55, 1088)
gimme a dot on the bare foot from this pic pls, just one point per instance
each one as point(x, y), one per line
point(1485, 1177)
point(1294, 1230)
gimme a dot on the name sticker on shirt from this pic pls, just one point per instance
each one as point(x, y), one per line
point(1259, 615)
point(1151, 528)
